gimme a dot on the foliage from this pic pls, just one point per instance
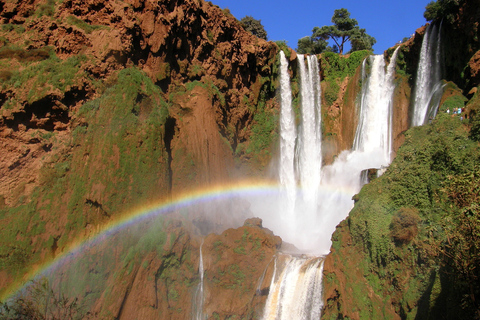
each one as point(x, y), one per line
point(420, 222)
point(52, 73)
point(462, 248)
point(362, 41)
point(46, 9)
point(284, 47)
point(336, 68)
point(344, 29)
point(254, 26)
point(41, 302)
point(263, 132)
point(310, 45)
point(404, 226)
point(9, 52)
point(442, 9)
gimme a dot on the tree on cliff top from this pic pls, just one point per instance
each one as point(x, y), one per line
point(310, 45)
point(254, 26)
point(442, 9)
point(344, 29)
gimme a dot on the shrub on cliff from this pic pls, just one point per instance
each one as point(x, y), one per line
point(442, 9)
point(41, 302)
point(404, 226)
point(254, 26)
point(475, 128)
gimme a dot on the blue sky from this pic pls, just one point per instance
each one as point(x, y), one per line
point(389, 21)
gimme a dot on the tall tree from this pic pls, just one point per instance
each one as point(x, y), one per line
point(344, 29)
point(254, 26)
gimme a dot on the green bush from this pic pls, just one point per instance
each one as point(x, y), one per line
point(404, 226)
point(475, 128)
point(442, 9)
point(336, 66)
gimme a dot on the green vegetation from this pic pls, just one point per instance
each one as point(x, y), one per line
point(88, 28)
point(418, 225)
point(284, 47)
point(40, 302)
point(264, 132)
point(311, 45)
point(442, 9)
point(46, 9)
point(47, 75)
point(114, 150)
point(336, 68)
point(344, 29)
point(13, 52)
point(254, 26)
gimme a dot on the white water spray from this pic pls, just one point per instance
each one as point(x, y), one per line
point(310, 139)
point(428, 84)
point(318, 199)
point(297, 293)
point(300, 154)
point(374, 130)
point(287, 140)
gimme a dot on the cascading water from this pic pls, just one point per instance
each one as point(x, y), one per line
point(300, 154)
point(287, 140)
point(428, 85)
point(309, 161)
point(374, 130)
point(199, 296)
point(296, 292)
point(318, 199)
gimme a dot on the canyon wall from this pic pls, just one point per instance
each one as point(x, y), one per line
point(110, 105)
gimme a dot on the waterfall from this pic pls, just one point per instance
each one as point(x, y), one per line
point(310, 141)
point(287, 138)
point(374, 130)
point(428, 82)
point(199, 296)
point(297, 293)
point(300, 152)
point(326, 195)
point(318, 199)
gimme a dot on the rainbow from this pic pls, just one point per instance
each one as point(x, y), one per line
point(217, 192)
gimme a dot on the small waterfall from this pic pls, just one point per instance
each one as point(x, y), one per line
point(428, 83)
point(199, 297)
point(374, 130)
point(297, 293)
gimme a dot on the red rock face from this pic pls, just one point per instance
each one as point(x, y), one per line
point(210, 72)
point(174, 43)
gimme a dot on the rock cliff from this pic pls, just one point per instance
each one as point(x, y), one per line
point(106, 105)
